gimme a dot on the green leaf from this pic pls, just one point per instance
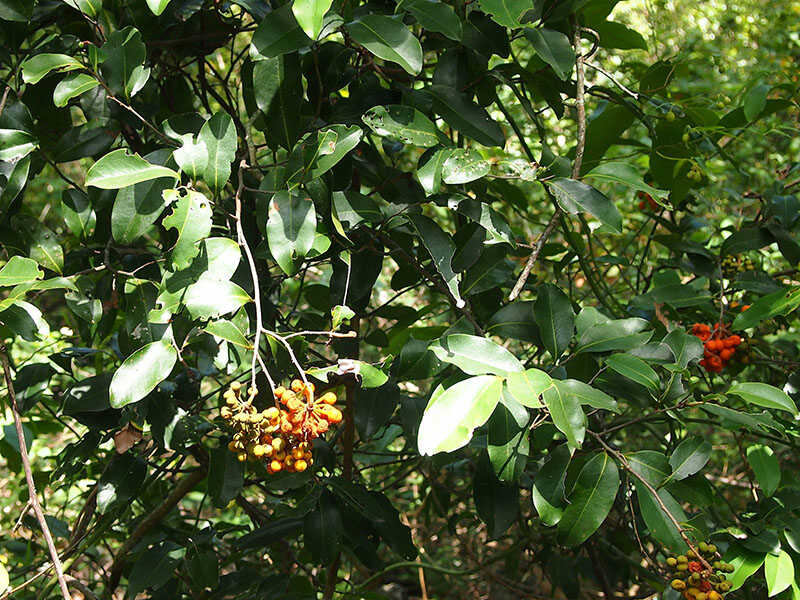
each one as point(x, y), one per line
point(755, 101)
point(553, 314)
point(388, 39)
point(619, 334)
point(442, 249)
point(514, 320)
point(277, 85)
point(575, 196)
point(19, 269)
point(278, 34)
point(463, 166)
point(507, 13)
point(225, 476)
point(778, 571)
point(745, 563)
point(4, 580)
point(782, 302)
point(484, 215)
point(496, 502)
point(309, 15)
point(192, 156)
point(219, 136)
point(554, 48)
point(635, 369)
point(141, 372)
point(137, 207)
point(658, 522)
point(322, 530)
point(44, 246)
point(119, 169)
point(763, 394)
point(766, 467)
point(652, 466)
point(587, 395)
point(228, 331)
point(626, 174)
point(689, 457)
point(73, 86)
point(434, 15)
point(548, 492)
point(15, 183)
point(476, 355)
point(461, 113)
point(291, 226)
point(123, 58)
point(527, 386)
point(590, 501)
point(15, 144)
point(566, 413)
point(685, 348)
point(191, 218)
point(40, 65)
point(429, 169)
point(404, 124)
point(210, 298)
point(507, 440)
point(78, 213)
point(157, 6)
point(451, 415)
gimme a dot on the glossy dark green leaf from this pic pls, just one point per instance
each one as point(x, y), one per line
point(461, 113)
point(389, 39)
point(685, 348)
point(586, 394)
point(507, 439)
point(782, 302)
point(620, 334)
point(442, 249)
point(779, 572)
point(590, 500)
point(434, 15)
point(78, 213)
point(497, 502)
point(278, 90)
point(527, 387)
point(516, 321)
point(291, 225)
point(464, 166)
point(476, 355)
point(404, 124)
point(548, 492)
point(225, 476)
point(119, 169)
point(18, 270)
point(635, 369)
point(766, 467)
point(123, 57)
point(40, 65)
point(322, 530)
point(73, 86)
point(554, 48)
point(555, 318)
point(763, 394)
point(755, 101)
point(278, 33)
point(575, 196)
point(309, 15)
point(141, 372)
point(689, 457)
point(191, 219)
point(566, 413)
point(219, 136)
point(661, 526)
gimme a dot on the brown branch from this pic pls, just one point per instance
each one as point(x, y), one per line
point(26, 463)
point(580, 106)
point(623, 461)
point(184, 486)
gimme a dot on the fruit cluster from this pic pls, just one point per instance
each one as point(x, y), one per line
point(280, 436)
point(718, 347)
point(694, 579)
point(646, 201)
point(306, 417)
point(731, 265)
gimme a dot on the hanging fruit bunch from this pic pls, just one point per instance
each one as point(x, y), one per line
point(699, 578)
point(732, 265)
point(719, 346)
point(279, 436)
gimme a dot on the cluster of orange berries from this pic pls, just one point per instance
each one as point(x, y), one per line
point(693, 578)
point(280, 436)
point(718, 348)
point(646, 201)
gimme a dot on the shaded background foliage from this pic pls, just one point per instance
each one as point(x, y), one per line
point(395, 188)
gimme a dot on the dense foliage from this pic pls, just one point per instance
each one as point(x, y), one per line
point(329, 299)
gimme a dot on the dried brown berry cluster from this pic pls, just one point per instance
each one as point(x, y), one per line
point(694, 579)
point(279, 436)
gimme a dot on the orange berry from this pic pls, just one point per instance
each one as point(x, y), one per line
point(745, 307)
point(735, 340)
point(275, 466)
point(297, 385)
point(726, 354)
point(328, 398)
point(300, 466)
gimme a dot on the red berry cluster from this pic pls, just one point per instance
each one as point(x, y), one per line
point(718, 346)
point(646, 201)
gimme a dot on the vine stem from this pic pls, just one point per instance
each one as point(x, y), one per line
point(26, 464)
point(256, 287)
point(626, 465)
point(580, 106)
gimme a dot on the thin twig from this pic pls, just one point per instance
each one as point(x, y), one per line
point(26, 463)
point(537, 248)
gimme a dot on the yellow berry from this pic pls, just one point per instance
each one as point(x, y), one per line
point(300, 466)
point(241, 457)
point(672, 561)
point(275, 466)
